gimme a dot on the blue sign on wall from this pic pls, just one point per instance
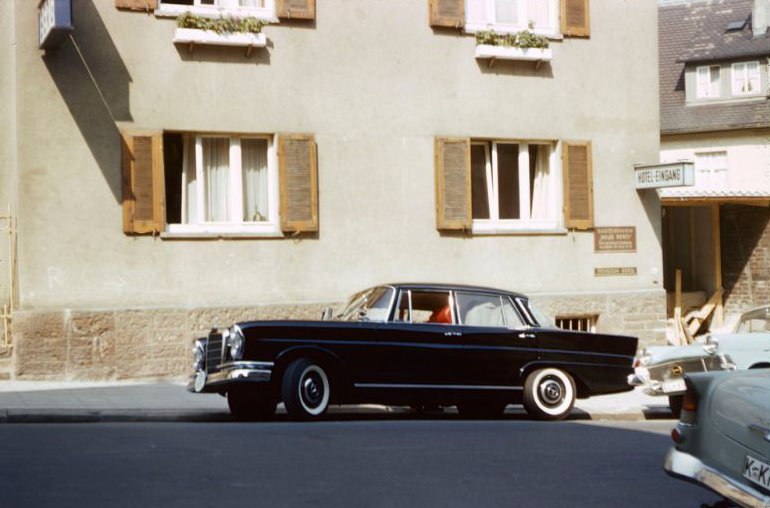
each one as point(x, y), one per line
point(54, 22)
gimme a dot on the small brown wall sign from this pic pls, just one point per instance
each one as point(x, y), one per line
point(615, 239)
point(614, 271)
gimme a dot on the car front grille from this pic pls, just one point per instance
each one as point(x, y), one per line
point(213, 352)
point(675, 369)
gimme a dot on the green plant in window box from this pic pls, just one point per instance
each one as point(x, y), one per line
point(221, 25)
point(523, 39)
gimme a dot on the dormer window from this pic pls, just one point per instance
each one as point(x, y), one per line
point(746, 79)
point(708, 82)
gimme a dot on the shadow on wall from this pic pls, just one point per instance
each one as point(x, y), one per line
point(95, 120)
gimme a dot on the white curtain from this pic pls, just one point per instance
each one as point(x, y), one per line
point(541, 185)
point(216, 174)
point(250, 3)
point(189, 183)
point(507, 11)
point(254, 164)
point(537, 12)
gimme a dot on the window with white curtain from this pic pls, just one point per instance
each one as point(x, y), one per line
point(262, 9)
point(708, 82)
point(512, 15)
point(514, 186)
point(711, 170)
point(228, 184)
point(746, 78)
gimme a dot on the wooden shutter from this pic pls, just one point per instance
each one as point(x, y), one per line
point(578, 184)
point(298, 177)
point(447, 13)
point(142, 182)
point(295, 9)
point(453, 183)
point(575, 18)
point(137, 5)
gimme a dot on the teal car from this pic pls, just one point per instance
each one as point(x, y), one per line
point(660, 369)
point(722, 440)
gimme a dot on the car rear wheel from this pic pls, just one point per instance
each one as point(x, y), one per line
point(250, 404)
point(675, 404)
point(305, 389)
point(481, 410)
point(549, 394)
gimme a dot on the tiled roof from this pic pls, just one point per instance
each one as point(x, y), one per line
point(692, 32)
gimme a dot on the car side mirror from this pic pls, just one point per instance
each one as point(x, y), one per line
point(326, 314)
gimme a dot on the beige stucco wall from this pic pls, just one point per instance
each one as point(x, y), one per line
point(374, 84)
point(7, 137)
point(748, 154)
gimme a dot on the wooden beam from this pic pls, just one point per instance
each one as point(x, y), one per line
point(716, 235)
point(678, 336)
point(693, 268)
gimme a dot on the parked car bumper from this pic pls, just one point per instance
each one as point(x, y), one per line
point(229, 373)
point(688, 467)
point(666, 378)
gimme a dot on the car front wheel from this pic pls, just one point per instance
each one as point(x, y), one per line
point(305, 389)
point(549, 394)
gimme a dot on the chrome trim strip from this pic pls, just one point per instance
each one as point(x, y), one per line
point(438, 387)
point(689, 468)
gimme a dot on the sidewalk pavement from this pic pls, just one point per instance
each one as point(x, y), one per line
point(47, 402)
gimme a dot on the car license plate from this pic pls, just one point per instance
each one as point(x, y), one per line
point(676, 385)
point(757, 471)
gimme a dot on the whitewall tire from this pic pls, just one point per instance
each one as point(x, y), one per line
point(305, 389)
point(549, 394)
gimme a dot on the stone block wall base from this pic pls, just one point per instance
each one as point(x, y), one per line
point(79, 345)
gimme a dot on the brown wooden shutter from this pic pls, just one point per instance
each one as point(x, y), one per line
point(453, 183)
point(137, 5)
point(447, 13)
point(578, 184)
point(575, 18)
point(143, 182)
point(295, 9)
point(298, 177)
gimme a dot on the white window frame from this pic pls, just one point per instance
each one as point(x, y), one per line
point(736, 71)
point(554, 30)
point(236, 226)
point(224, 8)
point(704, 166)
point(495, 225)
point(704, 86)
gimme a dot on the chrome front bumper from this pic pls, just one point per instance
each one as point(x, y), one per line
point(231, 372)
point(689, 468)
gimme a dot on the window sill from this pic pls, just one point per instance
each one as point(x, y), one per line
point(481, 228)
point(193, 231)
point(173, 11)
point(510, 53)
point(196, 36)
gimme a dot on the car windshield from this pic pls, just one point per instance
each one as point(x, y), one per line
point(369, 305)
point(543, 319)
point(756, 321)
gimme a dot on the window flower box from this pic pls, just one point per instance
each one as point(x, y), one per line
point(196, 36)
point(513, 53)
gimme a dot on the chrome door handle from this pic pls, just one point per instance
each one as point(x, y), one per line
point(760, 430)
point(525, 335)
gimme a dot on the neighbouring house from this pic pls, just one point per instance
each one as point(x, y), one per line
point(715, 112)
point(169, 165)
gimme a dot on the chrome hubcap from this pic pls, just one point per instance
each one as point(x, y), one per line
point(551, 392)
point(312, 390)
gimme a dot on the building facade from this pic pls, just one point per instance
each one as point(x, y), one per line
point(715, 111)
point(164, 179)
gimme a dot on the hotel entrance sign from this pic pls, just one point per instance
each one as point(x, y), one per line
point(666, 174)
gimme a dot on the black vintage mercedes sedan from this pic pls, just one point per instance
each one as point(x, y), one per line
point(415, 345)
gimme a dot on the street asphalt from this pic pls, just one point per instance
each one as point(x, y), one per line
point(46, 402)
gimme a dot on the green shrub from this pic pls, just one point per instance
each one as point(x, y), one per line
point(221, 25)
point(523, 39)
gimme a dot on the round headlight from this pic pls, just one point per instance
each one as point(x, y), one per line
point(236, 343)
point(198, 351)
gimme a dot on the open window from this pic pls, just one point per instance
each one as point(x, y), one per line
point(425, 306)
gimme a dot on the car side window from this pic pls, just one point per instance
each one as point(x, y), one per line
point(424, 306)
point(512, 318)
point(477, 309)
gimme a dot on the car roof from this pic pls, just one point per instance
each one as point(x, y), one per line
point(447, 286)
